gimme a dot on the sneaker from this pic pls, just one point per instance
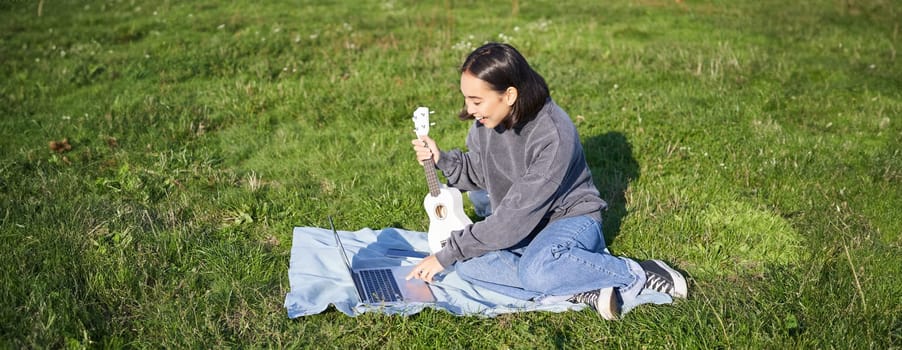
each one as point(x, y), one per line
point(664, 279)
point(605, 301)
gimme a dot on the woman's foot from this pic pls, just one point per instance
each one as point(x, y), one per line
point(605, 301)
point(662, 278)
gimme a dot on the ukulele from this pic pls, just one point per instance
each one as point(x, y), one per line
point(443, 204)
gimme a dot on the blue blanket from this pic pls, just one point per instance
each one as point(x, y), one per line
point(318, 277)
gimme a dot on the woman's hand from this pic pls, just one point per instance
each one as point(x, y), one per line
point(425, 148)
point(426, 269)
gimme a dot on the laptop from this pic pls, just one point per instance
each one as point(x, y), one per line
point(383, 285)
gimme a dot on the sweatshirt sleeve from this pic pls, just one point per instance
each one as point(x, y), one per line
point(526, 204)
point(463, 170)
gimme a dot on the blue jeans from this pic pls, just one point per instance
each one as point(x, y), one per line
point(567, 257)
point(481, 202)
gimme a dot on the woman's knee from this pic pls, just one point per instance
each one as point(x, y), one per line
point(581, 232)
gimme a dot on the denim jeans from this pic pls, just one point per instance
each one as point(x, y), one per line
point(481, 202)
point(565, 258)
point(569, 256)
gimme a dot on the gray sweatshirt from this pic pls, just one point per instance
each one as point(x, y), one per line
point(534, 176)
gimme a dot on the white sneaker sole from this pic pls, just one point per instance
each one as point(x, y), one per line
point(607, 304)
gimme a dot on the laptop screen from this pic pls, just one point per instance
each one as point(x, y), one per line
point(341, 247)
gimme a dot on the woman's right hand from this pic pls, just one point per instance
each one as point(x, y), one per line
point(426, 148)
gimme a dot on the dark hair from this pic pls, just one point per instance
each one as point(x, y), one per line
point(502, 66)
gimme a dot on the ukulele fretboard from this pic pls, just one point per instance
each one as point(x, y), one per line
point(431, 177)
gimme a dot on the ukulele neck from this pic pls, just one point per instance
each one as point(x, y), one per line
point(431, 177)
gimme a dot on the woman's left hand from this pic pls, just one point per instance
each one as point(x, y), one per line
point(426, 269)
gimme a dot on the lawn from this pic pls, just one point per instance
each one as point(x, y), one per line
point(155, 157)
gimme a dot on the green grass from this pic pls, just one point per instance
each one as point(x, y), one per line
point(755, 145)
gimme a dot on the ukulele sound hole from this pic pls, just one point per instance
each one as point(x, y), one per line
point(441, 211)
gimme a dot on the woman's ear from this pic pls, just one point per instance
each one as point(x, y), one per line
point(510, 95)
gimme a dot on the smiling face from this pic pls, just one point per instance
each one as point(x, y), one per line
point(488, 106)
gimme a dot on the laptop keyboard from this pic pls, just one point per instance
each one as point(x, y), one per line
point(380, 285)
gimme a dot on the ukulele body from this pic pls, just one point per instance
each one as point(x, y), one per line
point(446, 214)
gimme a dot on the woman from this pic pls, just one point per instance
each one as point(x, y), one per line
point(543, 239)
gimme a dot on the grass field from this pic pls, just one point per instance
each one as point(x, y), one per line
point(156, 155)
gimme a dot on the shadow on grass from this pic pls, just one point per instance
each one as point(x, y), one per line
point(610, 157)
